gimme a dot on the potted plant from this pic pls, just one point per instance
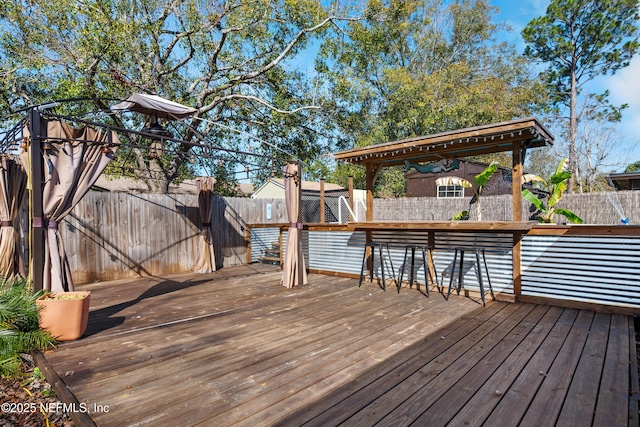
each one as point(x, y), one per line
point(556, 187)
point(64, 314)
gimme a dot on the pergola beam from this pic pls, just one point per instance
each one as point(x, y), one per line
point(494, 138)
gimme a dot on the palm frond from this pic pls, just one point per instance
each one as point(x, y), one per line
point(19, 330)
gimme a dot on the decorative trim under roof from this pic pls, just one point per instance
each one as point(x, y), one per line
point(493, 138)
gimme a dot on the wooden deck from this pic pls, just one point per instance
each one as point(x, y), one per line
point(235, 347)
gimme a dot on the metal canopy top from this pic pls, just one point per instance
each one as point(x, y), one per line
point(486, 139)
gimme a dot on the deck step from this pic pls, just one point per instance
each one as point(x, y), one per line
point(271, 255)
point(269, 260)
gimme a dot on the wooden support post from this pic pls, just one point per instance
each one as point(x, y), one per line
point(516, 187)
point(247, 239)
point(517, 264)
point(322, 220)
point(370, 178)
point(516, 182)
point(38, 130)
point(369, 213)
point(300, 273)
point(351, 201)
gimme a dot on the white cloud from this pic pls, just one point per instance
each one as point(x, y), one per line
point(624, 86)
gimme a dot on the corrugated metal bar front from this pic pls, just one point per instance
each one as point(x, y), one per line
point(498, 249)
point(261, 240)
point(595, 269)
point(342, 252)
point(398, 241)
point(339, 251)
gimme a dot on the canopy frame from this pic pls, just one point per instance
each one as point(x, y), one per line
point(36, 120)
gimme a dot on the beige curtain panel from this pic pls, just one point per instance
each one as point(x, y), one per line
point(13, 186)
point(206, 262)
point(72, 165)
point(294, 271)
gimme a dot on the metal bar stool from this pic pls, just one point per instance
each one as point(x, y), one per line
point(478, 268)
point(374, 246)
point(426, 251)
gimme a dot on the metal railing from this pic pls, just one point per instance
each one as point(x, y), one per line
point(352, 214)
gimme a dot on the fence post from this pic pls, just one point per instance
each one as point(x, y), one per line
point(322, 220)
point(247, 239)
point(351, 196)
point(280, 246)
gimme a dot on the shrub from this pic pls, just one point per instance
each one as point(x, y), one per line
point(19, 331)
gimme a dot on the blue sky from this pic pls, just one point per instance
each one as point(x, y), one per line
point(624, 86)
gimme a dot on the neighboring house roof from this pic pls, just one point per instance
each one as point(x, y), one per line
point(274, 188)
point(626, 180)
point(246, 188)
point(130, 185)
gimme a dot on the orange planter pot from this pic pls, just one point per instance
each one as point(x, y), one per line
point(64, 314)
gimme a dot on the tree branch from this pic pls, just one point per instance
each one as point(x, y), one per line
point(261, 101)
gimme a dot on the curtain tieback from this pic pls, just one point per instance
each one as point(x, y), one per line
point(42, 223)
point(205, 228)
point(297, 225)
point(6, 224)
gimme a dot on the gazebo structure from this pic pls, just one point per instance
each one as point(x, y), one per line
point(514, 136)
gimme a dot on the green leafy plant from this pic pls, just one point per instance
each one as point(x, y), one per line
point(480, 180)
point(19, 331)
point(460, 216)
point(556, 186)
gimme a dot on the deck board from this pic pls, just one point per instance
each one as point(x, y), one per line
point(235, 348)
point(611, 407)
point(452, 402)
point(580, 401)
point(478, 408)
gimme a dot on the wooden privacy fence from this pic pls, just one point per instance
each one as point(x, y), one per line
point(111, 236)
point(594, 208)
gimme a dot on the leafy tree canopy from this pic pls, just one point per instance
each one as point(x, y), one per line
point(418, 67)
point(633, 167)
point(580, 40)
point(223, 57)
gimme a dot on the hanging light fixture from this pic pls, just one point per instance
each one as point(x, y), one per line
point(157, 130)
